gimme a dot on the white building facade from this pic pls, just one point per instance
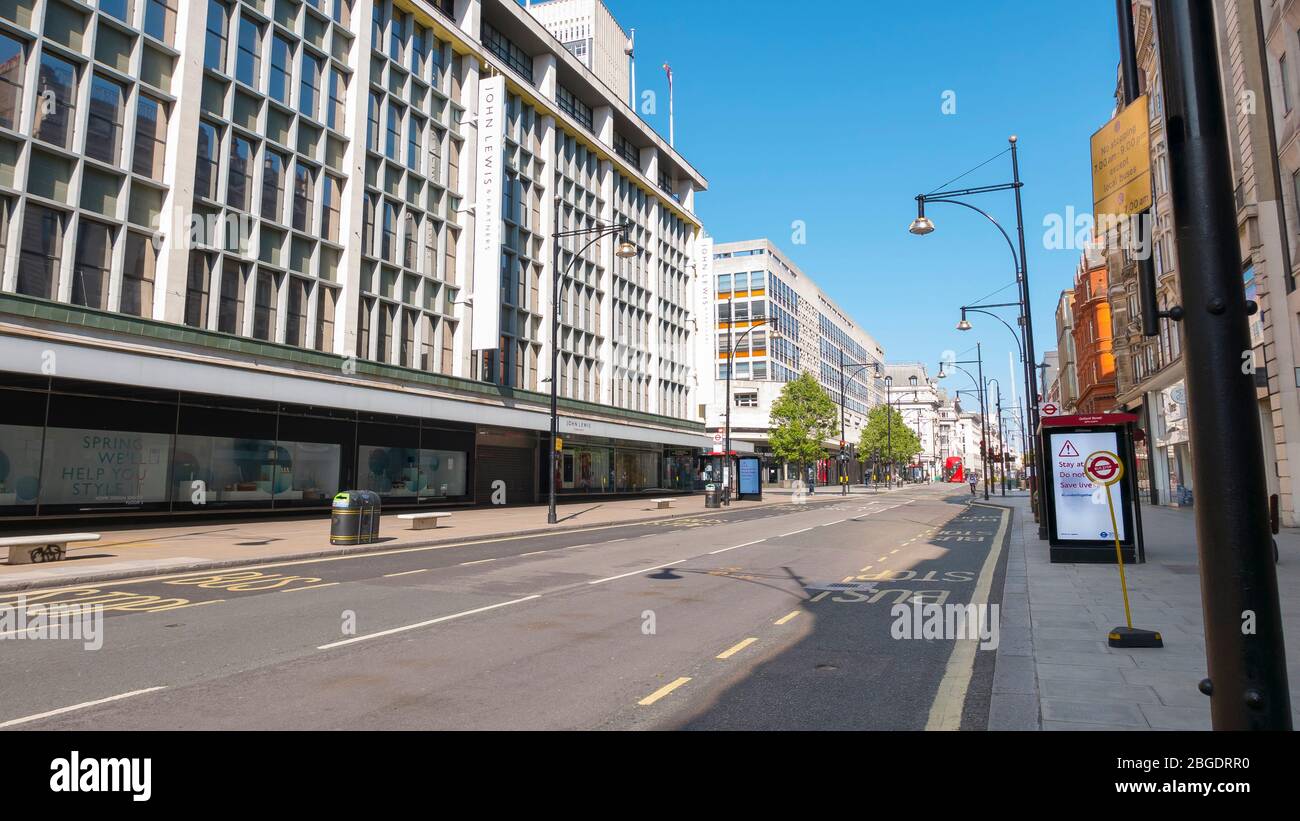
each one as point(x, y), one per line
point(246, 246)
point(752, 299)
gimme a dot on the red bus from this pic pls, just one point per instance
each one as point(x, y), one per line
point(952, 469)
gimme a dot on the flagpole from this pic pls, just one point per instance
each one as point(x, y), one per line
point(672, 135)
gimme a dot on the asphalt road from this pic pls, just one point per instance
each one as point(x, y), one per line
point(770, 618)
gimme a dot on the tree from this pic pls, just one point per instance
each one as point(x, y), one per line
point(803, 418)
point(894, 441)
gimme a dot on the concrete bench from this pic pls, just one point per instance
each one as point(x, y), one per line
point(662, 504)
point(38, 549)
point(423, 521)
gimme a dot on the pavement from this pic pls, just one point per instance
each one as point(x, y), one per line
point(779, 616)
point(1055, 668)
point(131, 550)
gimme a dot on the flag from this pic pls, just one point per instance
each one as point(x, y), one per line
point(669, 70)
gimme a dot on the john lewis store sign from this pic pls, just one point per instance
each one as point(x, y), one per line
point(486, 332)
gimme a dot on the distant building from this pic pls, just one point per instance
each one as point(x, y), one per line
point(1068, 379)
point(741, 285)
point(1095, 365)
point(589, 31)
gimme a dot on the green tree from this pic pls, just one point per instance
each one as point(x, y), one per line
point(803, 418)
point(888, 435)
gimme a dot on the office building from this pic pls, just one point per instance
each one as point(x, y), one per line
point(742, 286)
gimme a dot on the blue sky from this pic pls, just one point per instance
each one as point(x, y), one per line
point(804, 111)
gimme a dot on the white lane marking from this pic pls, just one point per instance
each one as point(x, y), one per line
point(14, 722)
point(945, 712)
point(637, 572)
point(480, 561)
point(407, 573)
point(795, 533)
point(536, 553)
point(735, 547)
point(428, 623)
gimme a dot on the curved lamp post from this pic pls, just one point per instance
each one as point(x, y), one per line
point(626, 250)
point(923, 225)
point(731, 358)
point(979, 384)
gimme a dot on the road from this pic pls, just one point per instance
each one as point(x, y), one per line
point(750, 619)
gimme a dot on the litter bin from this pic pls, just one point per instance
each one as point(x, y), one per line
point(712, 496)
point(355, 518)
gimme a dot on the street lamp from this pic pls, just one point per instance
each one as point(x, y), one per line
point(626, 250)
point(922, 225)
point(979, 384)
point(858, 366)
point(731, 356)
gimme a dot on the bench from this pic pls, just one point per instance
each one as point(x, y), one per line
point(423, 521)
point(662, 504)
point(39, 549)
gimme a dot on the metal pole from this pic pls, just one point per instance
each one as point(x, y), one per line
point(1248, 680)
point(551, 517)
point(984, 421)
point(731, 358)
point(1002, 442)
point(844, 488)
point(1032, 399)
point(889, 433)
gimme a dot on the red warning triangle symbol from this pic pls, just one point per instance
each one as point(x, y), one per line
point(1068, 450)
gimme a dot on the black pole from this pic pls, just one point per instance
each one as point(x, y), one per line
point(984, 421)
point(889, 433)
point(731, 357)
point(844, 488)
point(1028, 313)
point(1247, 667)
point(551, 516)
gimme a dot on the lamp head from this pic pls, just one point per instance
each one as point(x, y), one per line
point(964, 325)
point(625, 250)
point(922, 224)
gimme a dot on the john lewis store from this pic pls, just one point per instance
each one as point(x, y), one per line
point(73, 444)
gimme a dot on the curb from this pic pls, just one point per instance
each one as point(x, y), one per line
point(1015, 703)
point(91, 577)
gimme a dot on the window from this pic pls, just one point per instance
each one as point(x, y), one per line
point(121, 9)
point(150, 138)
point(58, 86)
point(273, 186)
point(575, 107)
point(364, 313)
point(415, 144)
point(90, 273)
point(303, 197)
point(38, 264)
point(336, 116)
point(392, 148)
point(214, 55)
point(138, 275)
point(325, 318)
point(104, 128)
point(230, 309)
point(206, 169)
point(513, 56)
point(160, 19)
point(295, 319)
point(264, 307)
point(448, 336)
point(281, 56)
point(397, 37)
point(239, 185)
point(310, 88)
point(197, 288)
point(388, 241)
point(331, 198)
point(248, 65)
point(12, 69)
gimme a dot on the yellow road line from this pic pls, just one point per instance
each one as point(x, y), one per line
point(663, 691)
point(313, 587)
point(407, 573)
point(820, 596)
point(848, 578)
point(728, 653)
point(865, 569)
point(786, 619)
